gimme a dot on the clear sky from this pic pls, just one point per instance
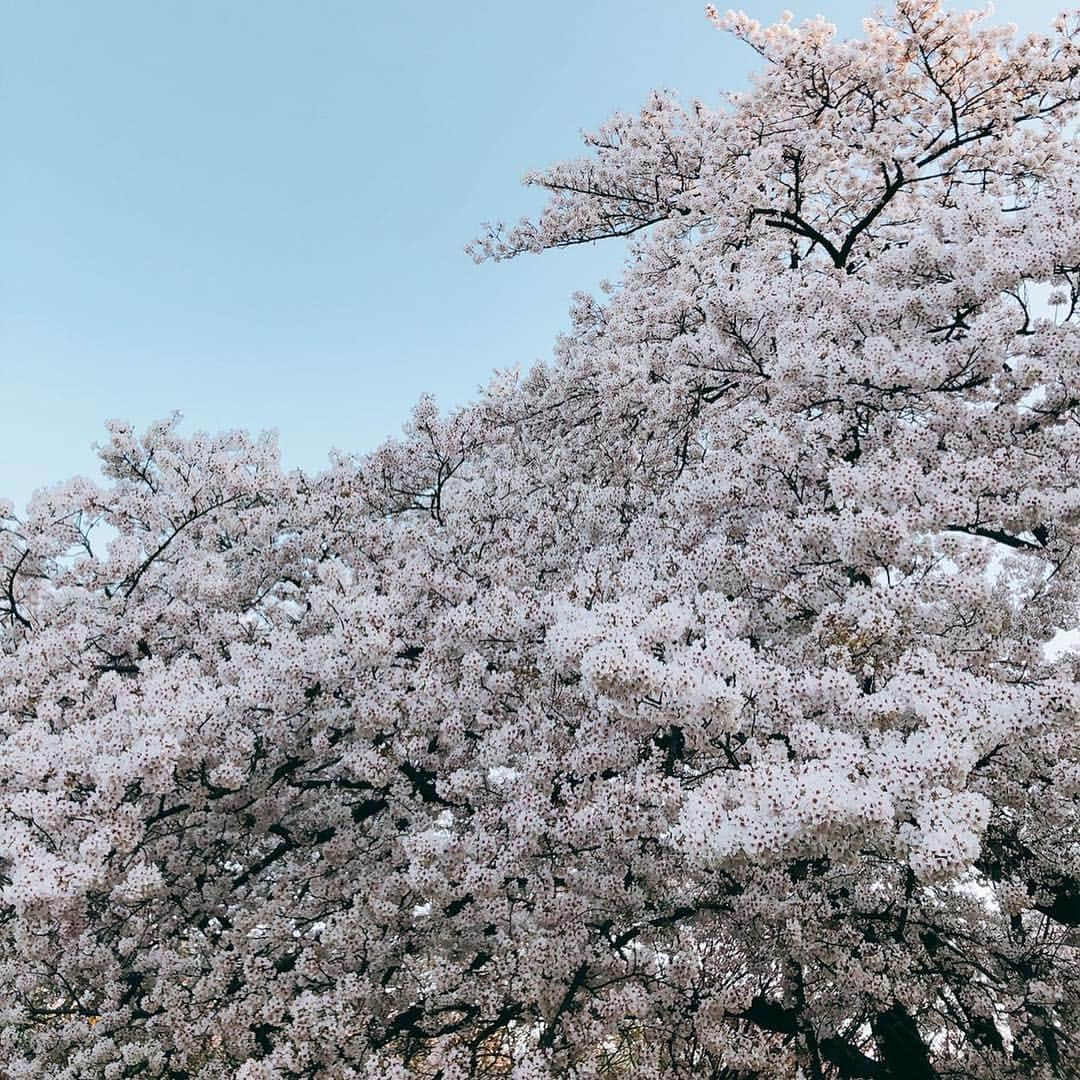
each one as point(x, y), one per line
point(254, 211)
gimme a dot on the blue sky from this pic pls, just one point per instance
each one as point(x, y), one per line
point(255, 212)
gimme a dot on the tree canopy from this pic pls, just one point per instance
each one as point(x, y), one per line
point(680, 708)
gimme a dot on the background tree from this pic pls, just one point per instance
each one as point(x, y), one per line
point(681, 709)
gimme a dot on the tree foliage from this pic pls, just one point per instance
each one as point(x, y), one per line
point(679, 709)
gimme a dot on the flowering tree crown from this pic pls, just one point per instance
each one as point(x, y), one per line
point(681, 709)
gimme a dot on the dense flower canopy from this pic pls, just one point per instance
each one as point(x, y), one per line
point(681, 708)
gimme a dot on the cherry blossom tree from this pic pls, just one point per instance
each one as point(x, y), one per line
point(681, 708)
